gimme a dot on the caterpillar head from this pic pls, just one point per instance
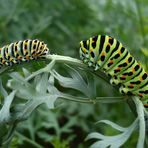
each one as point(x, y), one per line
point(44, 50)
point(84, 50)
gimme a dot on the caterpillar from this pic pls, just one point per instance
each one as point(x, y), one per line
point(108, 54)
point(26, 50)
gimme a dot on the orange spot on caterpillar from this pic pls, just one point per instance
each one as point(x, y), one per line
point(140, 95)
point(111, 61)
point(118, 68)
point(141, 78)
point(84, 50)
point(25, 49)
point(127, 61)
point(146, 105)
point(124, 76)
point(119, 52)
point(131, 85)
point(3, 61)
point(103, 53)
point(133, 70)
point(19, 57)
point(91, 50)
point(27, 57)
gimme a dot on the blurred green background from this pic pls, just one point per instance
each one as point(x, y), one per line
point(62, 24)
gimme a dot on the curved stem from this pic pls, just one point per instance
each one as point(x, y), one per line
point(76, 62)
point(140, 112)
point(92, 101)
point(132, 106)
point(10, 134)
point(28, 140)
point(45, 69)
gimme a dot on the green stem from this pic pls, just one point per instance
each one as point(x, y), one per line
point(140, 112)
point(3, 69)
point(45, 69)
point(132, 106)
point(10, 134)
point(78, 63)
point(77, 99)
point(92, 101)
point(28, 140)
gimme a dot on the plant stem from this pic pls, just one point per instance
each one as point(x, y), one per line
point(92, 101)
point(28, 140)
point(79, 63)
point(45, 69)
point(140, 112)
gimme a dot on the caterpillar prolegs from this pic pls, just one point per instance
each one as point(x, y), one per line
point(107, 53)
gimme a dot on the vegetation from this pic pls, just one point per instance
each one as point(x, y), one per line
point(56, 102)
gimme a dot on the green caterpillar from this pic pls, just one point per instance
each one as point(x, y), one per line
point(107, 53)
point(26, 50)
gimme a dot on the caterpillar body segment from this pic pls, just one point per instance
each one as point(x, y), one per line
point(20, 51)
point(107, 53)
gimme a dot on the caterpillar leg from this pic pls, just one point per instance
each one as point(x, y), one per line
point(97, 67)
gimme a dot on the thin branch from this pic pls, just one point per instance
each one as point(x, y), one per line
point(28, 140)
point(78, 63)
point(140, 112)
point(45, 69)
point(92, 101)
